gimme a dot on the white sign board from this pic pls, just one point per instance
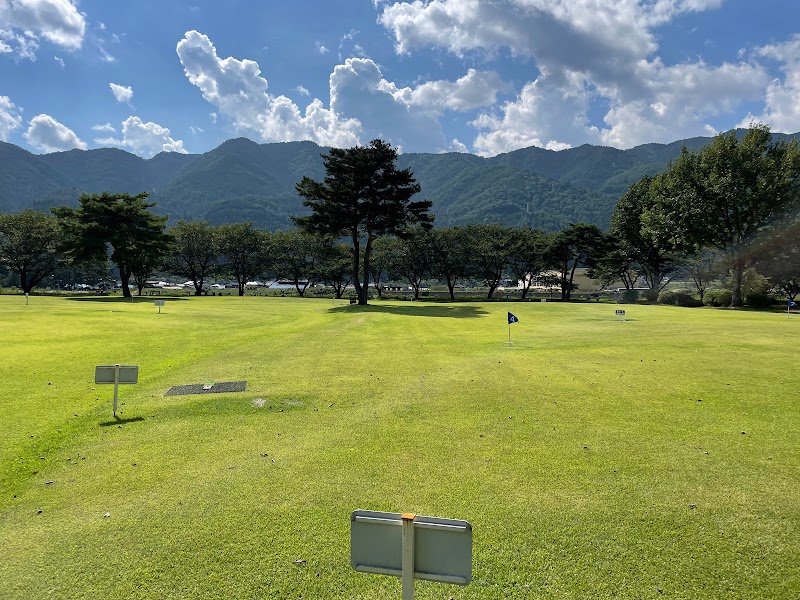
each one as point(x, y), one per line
point(159, 303)
point(106, 374)
point(116, 375)
point(442, 548)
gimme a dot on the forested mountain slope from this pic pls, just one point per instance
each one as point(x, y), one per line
point(244, 181)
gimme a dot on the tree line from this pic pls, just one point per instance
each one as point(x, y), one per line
point(725, 211)
point(121, 229)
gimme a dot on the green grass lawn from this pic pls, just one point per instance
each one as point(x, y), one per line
point(653, 458)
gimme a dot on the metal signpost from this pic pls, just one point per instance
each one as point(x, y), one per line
point(118, 375)
point(621, 314)
point(159, 304)
point(411, 546)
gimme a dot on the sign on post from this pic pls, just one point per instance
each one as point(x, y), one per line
point(116, 375)
point(411, 547)
point(621, 314)
point(159, 304)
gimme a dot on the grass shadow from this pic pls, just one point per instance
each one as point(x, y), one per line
point(416, 310)
point(118, 421)
point(120, 299)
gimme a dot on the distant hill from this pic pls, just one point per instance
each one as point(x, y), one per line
point(244, 181)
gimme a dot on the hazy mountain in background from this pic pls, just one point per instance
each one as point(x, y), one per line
point(244, 181)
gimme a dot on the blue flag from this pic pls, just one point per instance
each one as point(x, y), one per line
point(791, 304)
point(512, 319)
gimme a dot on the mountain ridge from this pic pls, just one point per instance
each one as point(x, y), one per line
point(242, 180)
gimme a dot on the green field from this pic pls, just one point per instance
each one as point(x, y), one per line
point(653, 458)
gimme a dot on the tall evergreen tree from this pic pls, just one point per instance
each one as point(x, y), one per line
point(119, 222)
point(363, 196)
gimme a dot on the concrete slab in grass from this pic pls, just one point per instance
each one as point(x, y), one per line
point(205, 388)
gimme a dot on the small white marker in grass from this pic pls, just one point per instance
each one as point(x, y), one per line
point(620, 314)
point(159, 304)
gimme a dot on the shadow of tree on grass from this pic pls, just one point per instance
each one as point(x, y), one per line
point(119, 299)
point(415, 310)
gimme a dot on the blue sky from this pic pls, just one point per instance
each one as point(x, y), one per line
point(430, 76)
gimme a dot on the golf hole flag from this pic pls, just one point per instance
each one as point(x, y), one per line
point(511, 319)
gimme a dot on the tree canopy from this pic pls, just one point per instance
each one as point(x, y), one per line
point(580, 243)
point(194, 251)
point(121, 222)
point(29, 242)
point(723, 194)
point(655, 257)
point(363, 196)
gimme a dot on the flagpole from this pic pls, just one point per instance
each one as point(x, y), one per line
point(509, 333)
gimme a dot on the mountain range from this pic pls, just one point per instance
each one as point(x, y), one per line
point(241, 180)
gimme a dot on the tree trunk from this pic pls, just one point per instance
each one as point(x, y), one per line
point(357, 267)
point(415, 285)
point(450, 287)
point(526, 287)
point(125, 277)
point(736, 292)
point(241, 288)
point(365, 288)
point(24, 283)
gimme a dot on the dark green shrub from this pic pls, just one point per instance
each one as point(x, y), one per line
point(678, 298)
point(759, 300)
point(650, 295)
point(629, 297)
point(717, 298)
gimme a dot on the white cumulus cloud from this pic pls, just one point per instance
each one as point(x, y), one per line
point(123, 93)
point(782, 97)
point(107, 127)
point(144, 139)
point(474, 90)
point(581, 52)
point(48, 135)
point(10, 117)
point(237, 89)
point(456, 146)
point(302, 90)
point(24, 22)
point(363, 105)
